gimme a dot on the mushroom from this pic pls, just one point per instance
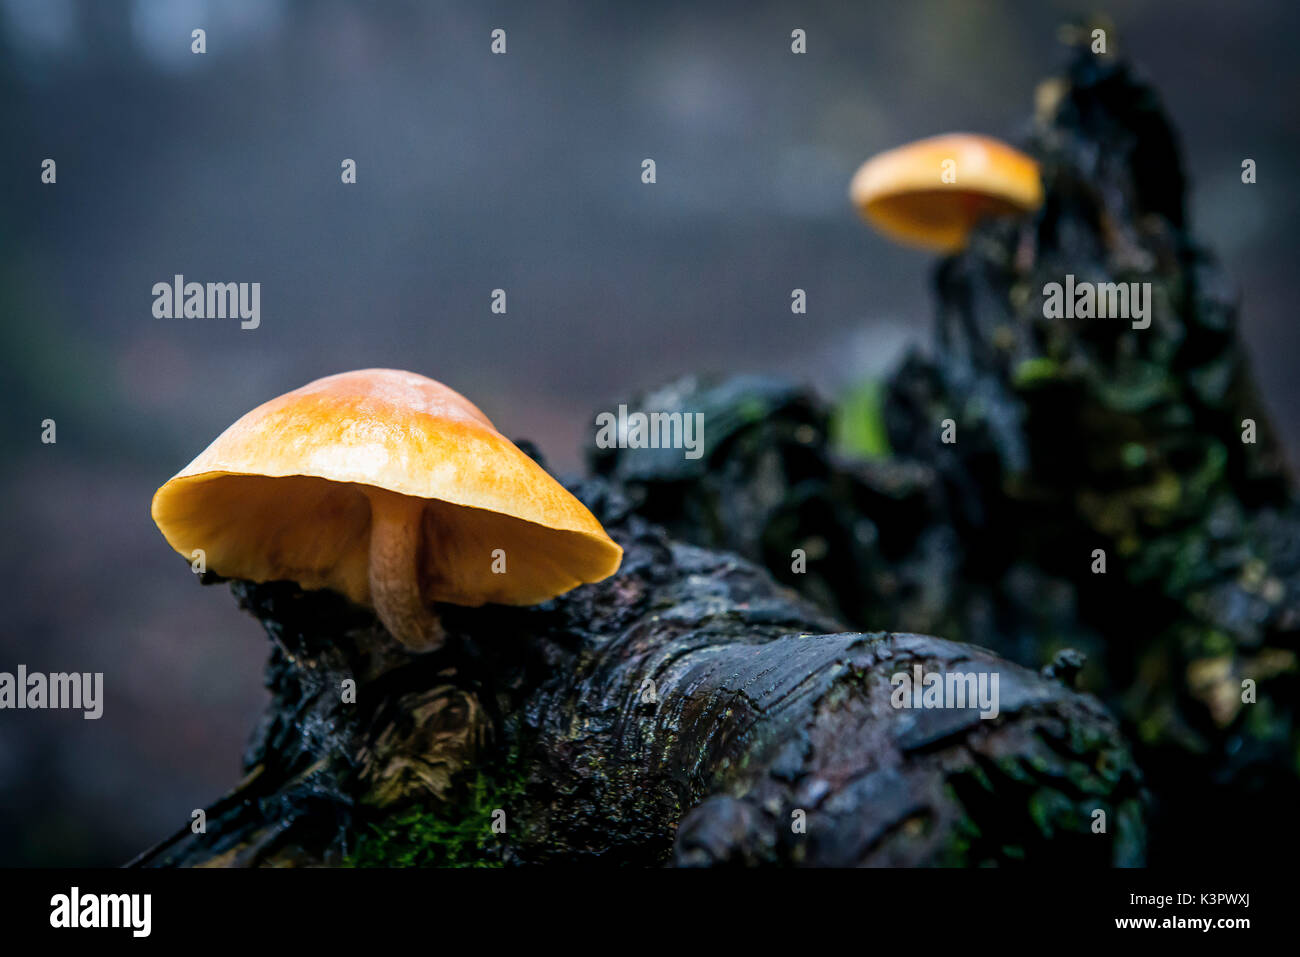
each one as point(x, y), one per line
point(391, 489)
point(905, 193)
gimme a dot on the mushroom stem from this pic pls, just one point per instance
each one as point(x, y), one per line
point(395, 529)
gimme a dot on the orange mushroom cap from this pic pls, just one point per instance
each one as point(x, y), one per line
point(903, 192)
point(292, 489)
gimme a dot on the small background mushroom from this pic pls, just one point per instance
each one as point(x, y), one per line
point(931, 193)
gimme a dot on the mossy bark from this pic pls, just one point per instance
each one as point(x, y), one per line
point(1072, 435)
point(1086, 434)
point(688, 710)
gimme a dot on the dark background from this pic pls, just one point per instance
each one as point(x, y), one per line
point(475, 172)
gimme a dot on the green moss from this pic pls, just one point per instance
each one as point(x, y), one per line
point(1052, 811)
point(1033, 372)
point(1133, 455)
point(1009, 764)
point(1133, 387)
point(858, 423)
point(752, 410)
point(958, 849)
point(1214, 643)
point(1263, 723)
point(458, 834)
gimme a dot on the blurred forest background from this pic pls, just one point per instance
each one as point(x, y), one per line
point(474, 172)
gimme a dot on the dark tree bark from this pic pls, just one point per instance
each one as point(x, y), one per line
point(689, 688)
point(1072, 435)
point(1084, 434)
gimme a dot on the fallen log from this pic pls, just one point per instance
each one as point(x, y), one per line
point(688, 710)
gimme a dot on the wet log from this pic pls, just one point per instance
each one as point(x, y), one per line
point(688, 711)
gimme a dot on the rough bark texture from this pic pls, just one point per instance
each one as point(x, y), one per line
point(1072, 435)
point(690, 686)
point(1087, 433)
